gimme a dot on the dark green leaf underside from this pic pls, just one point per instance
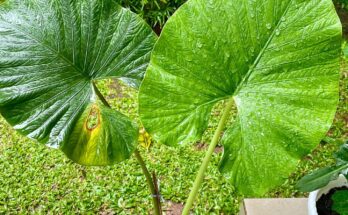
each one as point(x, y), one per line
point(51, 52)
point(279, 60)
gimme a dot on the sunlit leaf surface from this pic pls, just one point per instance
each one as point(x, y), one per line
point(279, 60)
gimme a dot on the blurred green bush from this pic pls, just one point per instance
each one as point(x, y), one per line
point(342, 3)
point(155, 12)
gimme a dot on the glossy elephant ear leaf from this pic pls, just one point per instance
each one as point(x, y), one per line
point(279, 60)
point(51, 52)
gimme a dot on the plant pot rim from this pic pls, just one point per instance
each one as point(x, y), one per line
point(341, 181)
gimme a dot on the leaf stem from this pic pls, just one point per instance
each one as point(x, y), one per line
point(157, 196)
point(200, 175)
point(150, 183)
point(100, 96)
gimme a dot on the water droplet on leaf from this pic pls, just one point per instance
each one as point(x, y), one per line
point(268, 26)
point(277, 32)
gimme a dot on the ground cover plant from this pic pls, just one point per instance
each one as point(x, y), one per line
point(71, 188)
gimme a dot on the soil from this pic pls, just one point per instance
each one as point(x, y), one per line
point(324, 204)
point(200, 146)
point(115, 84)
point(157, 29)
point(174, 208)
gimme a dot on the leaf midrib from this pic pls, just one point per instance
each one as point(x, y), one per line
point(251, 69)
point(262, 51)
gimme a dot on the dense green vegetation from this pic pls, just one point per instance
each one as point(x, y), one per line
point(155, 12)
point(343, 2)
point(36, 179)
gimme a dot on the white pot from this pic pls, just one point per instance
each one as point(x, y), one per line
point(315, 195)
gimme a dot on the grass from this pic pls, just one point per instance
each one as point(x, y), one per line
point(36, 179)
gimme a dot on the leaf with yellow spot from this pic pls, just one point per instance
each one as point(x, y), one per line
point(52, 51)
point(145, 139)
point(101, 136)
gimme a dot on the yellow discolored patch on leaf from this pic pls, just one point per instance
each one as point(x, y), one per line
point(145, 139)
point(93, 119)
point(101, 136)
point(88, 142)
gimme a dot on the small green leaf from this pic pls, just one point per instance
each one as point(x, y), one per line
point(319, 178)
point(340, 202)
point(51, 53)
point(342, 155)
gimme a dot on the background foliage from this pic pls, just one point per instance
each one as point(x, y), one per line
point(36, 179)
point(155, 12)
point(344, 2)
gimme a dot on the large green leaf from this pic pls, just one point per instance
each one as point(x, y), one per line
point(279, 60)
point(51, 52)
